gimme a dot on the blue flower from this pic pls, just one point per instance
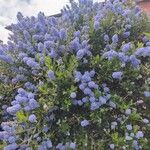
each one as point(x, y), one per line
point(139, 135)
point(77, 33)
point(128, 138)
point(73, 95)
point(78, 76)
point(49, 144)
point(112, 146)
point(6, 58)
point(95, 105)
point(80, 103)
point(96, 25)
point(12, 139)
point(12, 146)
point(126, 47)
point(72, 145)
point(26, 35)
point(128, 111)
point(84, 123)
point(92, 73)
point(126, 34)
point(80, 54)
point(115, 38)
point(87, 91)
point(92, 84)
point(129, 127)
point(92, 99)
point(117, 75)
point(51, 75)
point(32, 118)
point(33, 103)
point(134, 61)
point(14, 109)
point(48, 44)
point(106, 38)
point(110, 54)
point(40, 47)
point(145, 120)
point(144, 51)
point(53, 53)
point(147, 94)
point(63, 34)
point(86, 77)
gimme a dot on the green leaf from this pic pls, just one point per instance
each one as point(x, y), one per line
point(21, 116)
point(48, 62)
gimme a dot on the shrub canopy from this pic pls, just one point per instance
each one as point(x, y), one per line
point(79, 81)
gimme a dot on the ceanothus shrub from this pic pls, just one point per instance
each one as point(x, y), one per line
point(79, 81)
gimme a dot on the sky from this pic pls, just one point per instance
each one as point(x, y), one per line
point(9, 9)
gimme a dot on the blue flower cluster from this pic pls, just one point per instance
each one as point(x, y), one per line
point(83, 74)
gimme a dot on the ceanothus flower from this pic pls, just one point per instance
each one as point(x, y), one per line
point(40, 47)
point(6, 58)
point(49, 44)
point(72, 145)
point(106, 38)
point(128, 138)
point(92, 73)
point(74, 44)
point(12, 139)
point(26, 35)
point(139, 135)
point(96, 25)
point(78, 76)
point(144, 51)
point(53, 53)
point(33, 103)
point(14, 109)
point(134, 61)
point(31, 62)
point(147, 93)
point(112, 146)
point(92, 99)
point(84, 123)
point(128, 111)
point(126, 34)
point(87, 91)
point(102, 100)
point(63, 34)
point(80, 54)
point(122, 57)
point(73, 95)
point(12, 146)
point(84, 99)
point(129, 127)
point(77, 34)
point(145, 120)
point(80, 103)
point(51, 75)
point(86, 77)
point(126, 47)
point(49, 144)
point(32, 118)
point(95, 105)
point(110, 54)
point(113, 125)
point(112, 104)
point(117, 75)
point(115, 38)
point(92, 84)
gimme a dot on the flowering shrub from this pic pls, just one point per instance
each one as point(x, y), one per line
point(80, 81)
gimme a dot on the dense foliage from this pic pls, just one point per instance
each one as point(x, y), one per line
point(79, 81)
